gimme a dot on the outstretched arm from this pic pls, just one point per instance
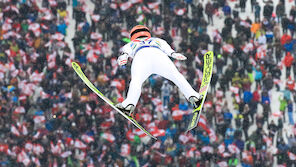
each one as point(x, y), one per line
point(169, 51)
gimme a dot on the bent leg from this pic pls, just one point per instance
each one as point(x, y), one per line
point(168, 70)
point(139, 73)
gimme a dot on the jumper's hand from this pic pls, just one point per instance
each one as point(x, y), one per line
point(178, 56)
point(122, 59)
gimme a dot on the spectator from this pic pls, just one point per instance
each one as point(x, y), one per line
point(242, 4)
point(166, 89)
point(280, 11)
point(288, 61)
point(209, 10)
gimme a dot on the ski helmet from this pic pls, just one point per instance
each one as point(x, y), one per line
point(139, 31)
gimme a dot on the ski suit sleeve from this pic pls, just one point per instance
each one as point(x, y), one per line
point(126, 49)
point(165, 47)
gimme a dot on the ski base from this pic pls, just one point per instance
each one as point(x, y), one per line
point(207, 75)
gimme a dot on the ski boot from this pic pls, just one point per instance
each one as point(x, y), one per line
point(128, 110)
point(195, 101)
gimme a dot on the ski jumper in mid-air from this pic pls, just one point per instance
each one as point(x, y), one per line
point(150, 56)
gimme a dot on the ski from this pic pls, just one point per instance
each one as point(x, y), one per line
point(80, 73)
point(206, 78)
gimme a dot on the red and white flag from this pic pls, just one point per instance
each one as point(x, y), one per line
point(79, 144)
point(39, 119)
point(38, 149)
point(126, 5)
point(44, 95)
point(158, 132)
point(11, 8)
point(203, 123)
point(37, 135)
point(245, 24)
point(66, 154)
point(233, 149)
point(273, 149)
point(95, 36)
point(81, 155)
point(180, 12)
point(136, 1)
point(108, 136)
point(146, 9)
point(222, 164)
point(277, 114)
point(228, 48)
point(190, 152)
point(4, 148)
point(234, 90)
point(140, 18)
point(58, 36)
point(22, 157)
point(158, 30)
point(53, 3)
point(6, 27)
point(125, 33)
point(87, 139)
point(36, 161)
point(19, 110)
point(207, 149)
point(92, 57)
point(267, 140)
point(113, 5)
point(23, 128)
point(139, 133)
point(153, 5)
point(221, 148)
point(35, 28)
point(248, 47)
point(14, 130)
point(130, 135)
point(48, 16)
point(56, 149)
point(212, 135)
point(291, 156)
point(183, 138)
point(95, 17)
point(36, 76)
point(156, 145)
point(147, 117)
point(177, 115)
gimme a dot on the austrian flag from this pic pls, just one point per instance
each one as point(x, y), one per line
point(87, 139)
point(108, 136)
point(125, 6)
point(79, 144)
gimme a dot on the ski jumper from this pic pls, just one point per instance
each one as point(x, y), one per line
point(150, 56)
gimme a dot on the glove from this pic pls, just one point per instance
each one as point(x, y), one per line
point(178, 56)
point(122, 59)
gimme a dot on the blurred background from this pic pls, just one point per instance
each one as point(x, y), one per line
point(248, 117)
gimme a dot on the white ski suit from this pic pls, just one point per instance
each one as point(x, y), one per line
point(150, 56)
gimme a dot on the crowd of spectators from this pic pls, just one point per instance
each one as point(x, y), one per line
point(37, 82)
